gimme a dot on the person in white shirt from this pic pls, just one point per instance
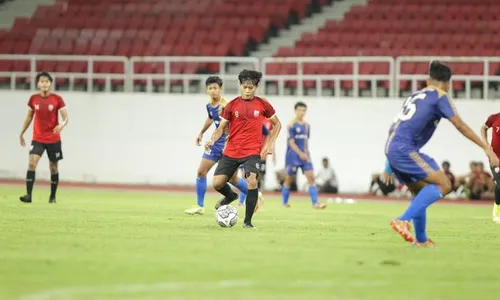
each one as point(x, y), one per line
point(326, 179)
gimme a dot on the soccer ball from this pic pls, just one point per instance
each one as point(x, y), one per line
point(226, 216)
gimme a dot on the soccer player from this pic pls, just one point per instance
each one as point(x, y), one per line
point(45, 107)
point(266, 130)
point(244, 115)
point(411, 130)
point(212, 155)
point(297, 156)
point(493, 121)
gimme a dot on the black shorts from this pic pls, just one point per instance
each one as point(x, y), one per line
point(54, 150)
point(263, 167)
point(385, 188)
point(227, 165)
point(496, 174)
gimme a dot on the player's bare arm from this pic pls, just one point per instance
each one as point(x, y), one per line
point(217, 134)
point(206, 125)
point(26, 125)
point(484, 133)
point(466, 131)
point(269, 144)
point(64, 116)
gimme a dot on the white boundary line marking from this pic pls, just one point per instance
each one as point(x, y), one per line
point(69, 292)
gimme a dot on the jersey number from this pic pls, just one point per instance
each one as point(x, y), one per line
point(409, 107)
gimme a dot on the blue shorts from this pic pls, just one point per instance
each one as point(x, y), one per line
point(409, 165)
point(291, 169)
point(214, 154)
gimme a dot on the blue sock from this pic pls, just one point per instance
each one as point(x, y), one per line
point(243, 187)
point(428, 195)
point(313, 192)
point(419, 222)
point(285, 194)
point(201, 188)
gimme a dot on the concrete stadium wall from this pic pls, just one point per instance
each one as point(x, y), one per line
point(150, 139)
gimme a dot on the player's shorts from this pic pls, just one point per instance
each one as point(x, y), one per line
point(54, 150)
point(386, 189)
point(292, 165)
point(227, 165)
point(262, 167)
point(496, 174)
point(214, 154)
point(409, 165)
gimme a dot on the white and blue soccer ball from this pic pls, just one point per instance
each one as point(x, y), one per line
point(226, 216)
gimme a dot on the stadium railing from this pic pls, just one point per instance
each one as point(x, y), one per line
point(479, 75)
point(223, 64)
point(88, 76)
point(354, 76)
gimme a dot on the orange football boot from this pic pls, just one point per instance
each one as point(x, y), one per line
point(404, 229)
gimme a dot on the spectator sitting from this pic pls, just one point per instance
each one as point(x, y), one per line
point(280, 177)
point(488, 186)
point(446, 169)
point(379, 184)
point(326, 179)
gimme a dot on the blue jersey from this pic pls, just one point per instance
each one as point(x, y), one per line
point(299, 133)
point(419, 117)
point(214, 113)
point(412, 129)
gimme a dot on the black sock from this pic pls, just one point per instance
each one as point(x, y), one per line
point(497, 193)
point(251, 202)
point(227, 191)
point(54, 181)
point(30, 181)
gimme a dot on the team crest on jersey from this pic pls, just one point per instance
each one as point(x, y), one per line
point(255, 113)
point(51, 107)
point(236, 114)
point(297, 129)
point(37, 107)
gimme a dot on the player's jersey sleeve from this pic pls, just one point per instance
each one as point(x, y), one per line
point(227, 112)
point(31, 102)
point(60, 103)
point(269, 111)
point(265, 131)
point(490, 121)
point(446, 107)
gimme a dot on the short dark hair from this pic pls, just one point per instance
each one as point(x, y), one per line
point(213, 79)
point(447, 163)
point(439, 71)
point(300, 104)
point(250, 75)
point(43, 74)
point(325, 159)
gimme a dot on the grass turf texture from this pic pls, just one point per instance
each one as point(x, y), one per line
point(131, 245)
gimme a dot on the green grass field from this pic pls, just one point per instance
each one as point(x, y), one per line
point(133, 245)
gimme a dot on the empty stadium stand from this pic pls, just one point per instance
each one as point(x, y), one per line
point(146, 28)
point(402, 28)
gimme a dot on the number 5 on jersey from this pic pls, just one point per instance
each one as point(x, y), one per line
point(409, 107)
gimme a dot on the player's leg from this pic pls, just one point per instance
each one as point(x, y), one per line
point(36, 152)
point(308, 170)
point(496, 206)
point(241, 184)
point(206, 164)
point(420, 219)
point(252, 170)
point(54, 152)
point(423, 171)
point(225, 169)
point(285, 190)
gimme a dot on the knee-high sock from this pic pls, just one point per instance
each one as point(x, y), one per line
point(201, 189)
point(428, 195)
